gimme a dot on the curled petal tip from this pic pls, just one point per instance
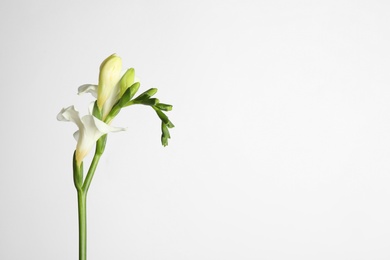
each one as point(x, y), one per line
point(88, 88)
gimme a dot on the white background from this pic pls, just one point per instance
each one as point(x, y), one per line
point(282, 142)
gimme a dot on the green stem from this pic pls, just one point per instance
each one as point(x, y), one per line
point(91, 172)
point(82, 195)
point(82, 207)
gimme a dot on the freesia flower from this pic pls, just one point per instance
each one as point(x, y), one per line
point(90, 130)
point(116, 89)
point(111, 84)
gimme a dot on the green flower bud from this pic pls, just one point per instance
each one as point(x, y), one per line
point(126, 81)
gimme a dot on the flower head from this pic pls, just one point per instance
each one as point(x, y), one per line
point(90, 130)
point(112, 84)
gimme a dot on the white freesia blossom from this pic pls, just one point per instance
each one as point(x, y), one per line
point(90, 130)
point(112, 84)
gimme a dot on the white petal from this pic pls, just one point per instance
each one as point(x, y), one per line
point(90, 130)
point(93, 130)
point(105, 128)
point(70, 114)
point(110, 101)
point(61, 117)
point(76, 135)
point(88, 88)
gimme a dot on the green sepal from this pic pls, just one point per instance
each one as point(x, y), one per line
point(77, 173)
point(165, 130)
point(101, 144)
point(150, 102)
point(133, 89)
point(162, 116)
point(170, 125)
point(165, 134)
point(113, 113)
point(128, 95)
point(164, 107)
point(96, 111)
point(146, 95)
point(124, 99)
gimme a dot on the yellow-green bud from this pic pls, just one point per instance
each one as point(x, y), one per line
point(126, 81)
point(110, 71)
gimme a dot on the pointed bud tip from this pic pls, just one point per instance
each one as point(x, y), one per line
point(112, 61)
